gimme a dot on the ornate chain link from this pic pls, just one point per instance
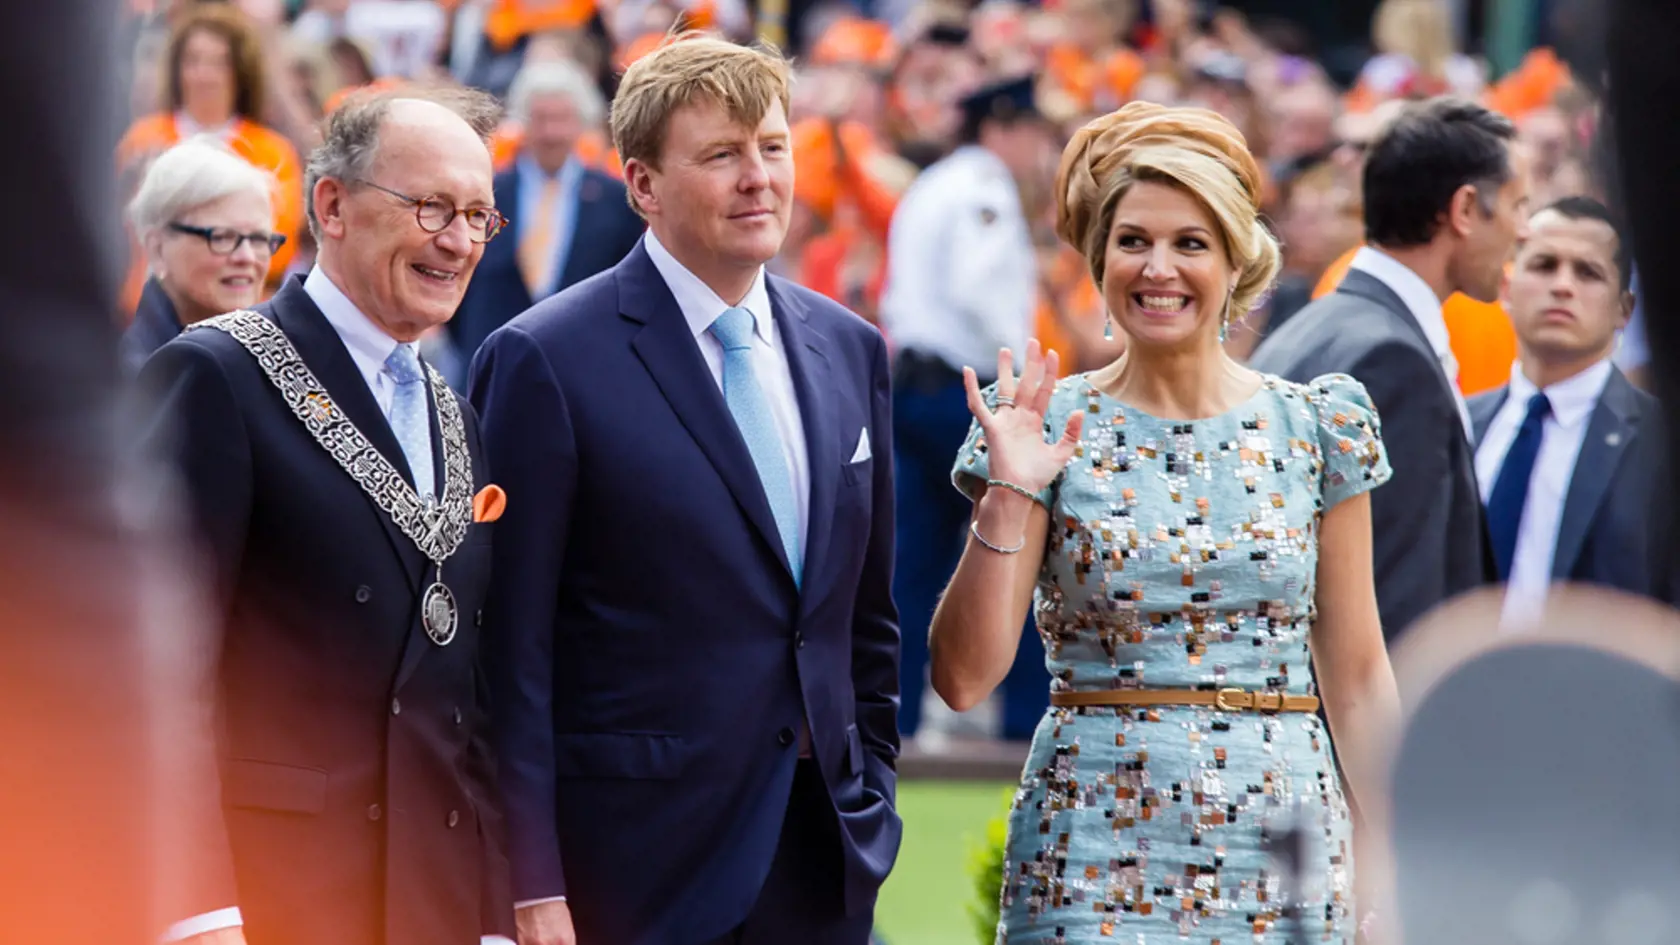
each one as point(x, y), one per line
point(437, 528)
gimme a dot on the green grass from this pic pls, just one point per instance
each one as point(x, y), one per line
point(927, 897)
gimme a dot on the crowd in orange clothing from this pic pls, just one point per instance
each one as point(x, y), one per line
point(875, 102)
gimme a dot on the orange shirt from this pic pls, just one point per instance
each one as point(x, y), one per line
point(263, 147)
point(1483, 341)
point(510, 20)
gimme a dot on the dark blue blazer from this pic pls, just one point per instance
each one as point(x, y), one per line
point(155, 323)
point(604, 230)
point(651, 656)
point(356, 779)
point(1614, 514)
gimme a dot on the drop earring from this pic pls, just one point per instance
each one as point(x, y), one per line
point(1225, 318)
point(1108, 326)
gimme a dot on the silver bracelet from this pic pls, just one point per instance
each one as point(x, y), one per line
point(974, 529)
point(1012, 487)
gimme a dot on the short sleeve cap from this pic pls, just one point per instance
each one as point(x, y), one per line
point(1349, 439)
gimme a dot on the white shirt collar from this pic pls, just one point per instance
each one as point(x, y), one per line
point(1573, 399)
point(369, 345)
point(1418, 297)
point(700, 305)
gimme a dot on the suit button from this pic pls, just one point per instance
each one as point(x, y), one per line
point(374, 813)
point(396, 707)
point(785, 736)
point(363, 594)
point(454, 818)
point(457, 715)
point(799, 639)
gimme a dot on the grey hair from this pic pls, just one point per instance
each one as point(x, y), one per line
point(556, 77)
point(350, 141)
point(197, 171)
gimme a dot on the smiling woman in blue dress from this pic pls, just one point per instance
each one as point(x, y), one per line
point(1195, 538)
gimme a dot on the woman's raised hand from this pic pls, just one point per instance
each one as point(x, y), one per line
point(1015, 444)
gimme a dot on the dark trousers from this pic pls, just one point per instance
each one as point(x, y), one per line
point(803, 899)
point(930, 422)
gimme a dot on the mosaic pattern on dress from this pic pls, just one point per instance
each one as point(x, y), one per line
point(1182, 555)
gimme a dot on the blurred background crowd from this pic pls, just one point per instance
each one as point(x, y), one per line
point(884, 90)
point(878, 99)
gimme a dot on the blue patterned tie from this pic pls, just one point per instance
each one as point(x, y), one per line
point(1510, 488)
point(409, 416)
point(741, 390)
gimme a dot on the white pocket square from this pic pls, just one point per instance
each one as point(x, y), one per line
point(862, 452)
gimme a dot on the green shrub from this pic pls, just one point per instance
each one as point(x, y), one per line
point(985, 868)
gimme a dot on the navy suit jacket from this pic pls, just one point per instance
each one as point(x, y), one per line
point(604, 229)
point(1428, 532)
point(1614, 511)
point(356, 780)
point(652, 658)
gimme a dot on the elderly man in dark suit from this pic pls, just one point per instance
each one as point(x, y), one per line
point(1445, 193)
point(332, 480)
point(1569, 452)
point(568, 221)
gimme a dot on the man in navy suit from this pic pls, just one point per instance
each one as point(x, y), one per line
point(330, 480)
point(568, 221)
point(695, 661)
point(1569, 454)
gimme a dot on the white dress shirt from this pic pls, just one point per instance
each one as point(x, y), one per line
point(700, 307)
point(369, 347)
point(1561, 436)
point(1425, 307)
point(962, 272)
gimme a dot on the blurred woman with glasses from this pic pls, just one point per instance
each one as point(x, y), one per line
point(204, 218)
point(214, 80)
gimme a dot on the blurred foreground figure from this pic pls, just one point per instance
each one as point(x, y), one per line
point(94, 699)
point(1530, 778)
point(1644, 102)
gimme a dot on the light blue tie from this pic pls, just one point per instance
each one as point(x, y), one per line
point(409, 416)
point(741, 390)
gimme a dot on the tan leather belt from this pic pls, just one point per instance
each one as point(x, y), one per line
point(1225, 700)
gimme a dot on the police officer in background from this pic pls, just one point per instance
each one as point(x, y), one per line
point(962, 282)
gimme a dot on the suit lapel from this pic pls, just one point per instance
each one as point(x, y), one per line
point(326, 356)
point(818, 410)
point(1484, 409)
point(672, 356)
point(585, 194)
point(1612, 427)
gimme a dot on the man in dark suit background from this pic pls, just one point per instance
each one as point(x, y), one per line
point(694, 645)
point(568, 222)
point(1569, 453)
point(356, 794)
point(1444, 193)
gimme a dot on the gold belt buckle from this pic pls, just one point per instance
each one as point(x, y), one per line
point(1230, 700)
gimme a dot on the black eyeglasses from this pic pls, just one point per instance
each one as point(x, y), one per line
point(225, 241)
point(434, 214)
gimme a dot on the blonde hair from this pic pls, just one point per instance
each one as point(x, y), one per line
point(1421, 30)
point(1193, 149)
point(690, 68)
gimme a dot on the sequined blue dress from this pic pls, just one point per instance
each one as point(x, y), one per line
point(1182, 555)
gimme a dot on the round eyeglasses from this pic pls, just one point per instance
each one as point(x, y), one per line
point(435, 213)
point(225, 241)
